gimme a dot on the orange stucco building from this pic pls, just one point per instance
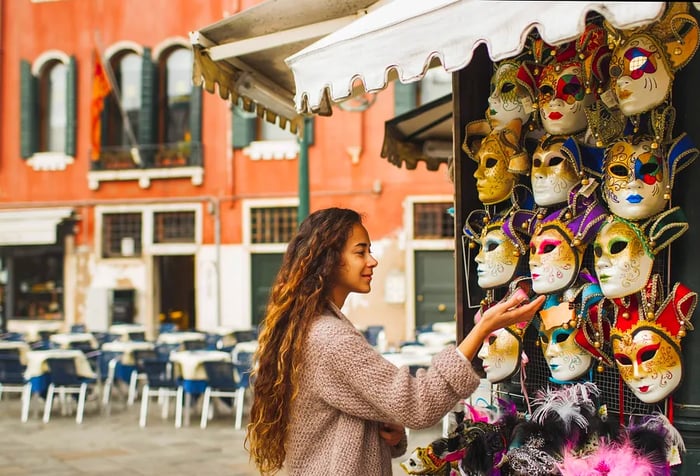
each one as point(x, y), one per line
point(181, 208)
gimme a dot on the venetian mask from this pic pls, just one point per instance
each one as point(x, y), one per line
point(508, 99)
point(552, 175)
point(494, 182)
point(554, 263)
point(649, 363)
point(500, 354)
point(636, 179)
point(497, 260)
point(563, 99)
point(621, 263)
point(566, 360)
point(640, 75)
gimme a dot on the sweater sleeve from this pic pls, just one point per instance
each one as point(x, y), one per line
point(357, 380)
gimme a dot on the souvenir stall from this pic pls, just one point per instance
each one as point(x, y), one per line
point(574, 148)
point(573, 161)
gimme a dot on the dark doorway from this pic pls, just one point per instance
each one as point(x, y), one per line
point(435, 287)
point(175, 290)
point(264, 268)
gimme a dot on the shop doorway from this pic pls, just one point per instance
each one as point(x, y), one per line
point(174, 297)
point(264, 268)
point(435, 287)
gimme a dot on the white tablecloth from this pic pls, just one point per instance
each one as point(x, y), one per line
point(64, 340)
point(22, 347)
point(37, 366)
point(449, 327)
point(190, 362)
point(123, 330)
point(127, 348)
point(31, 328)
point(436, 339)
point(179, 337)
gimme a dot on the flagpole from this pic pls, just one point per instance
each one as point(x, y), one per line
point(135, 154)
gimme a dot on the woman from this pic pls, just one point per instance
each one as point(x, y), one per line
point(325, 401)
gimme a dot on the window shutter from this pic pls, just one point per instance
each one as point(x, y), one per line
point(243, 127)
point(28, 110)
point(405, 97)
point(146, 133)
point(71, 107)
point(196, 125)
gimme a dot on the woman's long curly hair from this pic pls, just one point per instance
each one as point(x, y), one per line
point(301, 292)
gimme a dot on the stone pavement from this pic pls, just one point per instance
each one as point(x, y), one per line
point(114, 444)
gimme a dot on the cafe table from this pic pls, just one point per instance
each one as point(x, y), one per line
point(180, 337)
point(189, 366)
point(37, 369)
point(126, 364)
point(123, 330)
point(31, 329)
point(64, 341)
point(21, 347)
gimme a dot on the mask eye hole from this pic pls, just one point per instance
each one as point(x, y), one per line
point(491, 162)
point(556, 160)
point(649, 168)
point(572, 89)
point(543, 339)
point(561, 337)
point(548, 248)
point(619, 171)
point(597, 250)
point(492, 340)
point(622, 359)
point(537, 163)
point(618, 247)
point(615, 71)
point(546, 91)
point(490, 246)
point(507, 87)
point(647, 355)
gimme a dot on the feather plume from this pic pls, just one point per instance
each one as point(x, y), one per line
point(611, 460)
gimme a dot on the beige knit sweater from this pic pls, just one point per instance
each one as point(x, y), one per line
point(346, 389)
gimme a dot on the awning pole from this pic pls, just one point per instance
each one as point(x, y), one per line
point(304, 142)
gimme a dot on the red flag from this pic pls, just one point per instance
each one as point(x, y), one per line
point(101, 87)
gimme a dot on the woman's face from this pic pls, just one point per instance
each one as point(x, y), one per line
point(354, 274)
point(553, 262)
point(552, 175)
point(497, 260)
point(508, 98)
point(494, 183)
point(621, 264)
point(563, 100)
point(640, 77)
point(648, 363)
point(566, 360)
point(635, 180)
point(500, 354)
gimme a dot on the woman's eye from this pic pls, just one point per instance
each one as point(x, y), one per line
point(618, 247)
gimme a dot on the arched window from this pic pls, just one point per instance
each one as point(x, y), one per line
point(176, 96)
point(53, 107)
point(116, 132)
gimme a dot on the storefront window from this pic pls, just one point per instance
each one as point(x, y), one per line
point(37, 285)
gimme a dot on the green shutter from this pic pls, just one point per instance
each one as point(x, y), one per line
point(146, 128)
point(243, 127)
point(405, 97)
point(28, 118)
point(71, 107)
point(196, 125)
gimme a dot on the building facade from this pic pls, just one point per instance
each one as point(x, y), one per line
point(128, 195)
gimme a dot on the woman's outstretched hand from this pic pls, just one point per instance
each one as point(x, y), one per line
point(506, 313)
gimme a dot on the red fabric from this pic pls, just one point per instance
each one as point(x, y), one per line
point(101, 87)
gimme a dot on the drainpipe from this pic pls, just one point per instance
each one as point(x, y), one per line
point(304, 142)
point(215, 208)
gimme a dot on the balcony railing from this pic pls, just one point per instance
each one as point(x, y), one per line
point(150, 156)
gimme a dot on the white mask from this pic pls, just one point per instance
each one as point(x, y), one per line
point(500, 354)
point(552, 175)
point(497, 260)
point(508, 99)
point(566, 360)
point(554, 263)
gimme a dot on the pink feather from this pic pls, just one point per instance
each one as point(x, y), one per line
point(610, 460)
